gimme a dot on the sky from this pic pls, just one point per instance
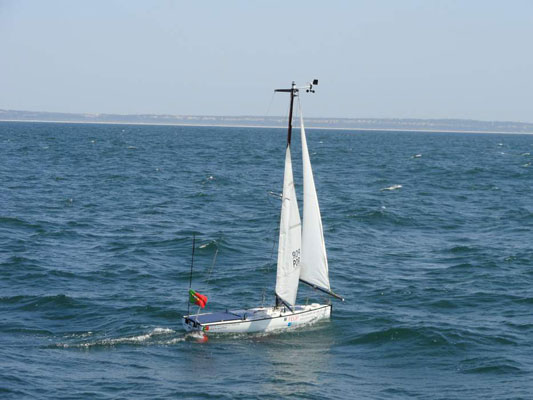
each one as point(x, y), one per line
point(374, 59)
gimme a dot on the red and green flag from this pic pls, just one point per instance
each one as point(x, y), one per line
point(197, 298)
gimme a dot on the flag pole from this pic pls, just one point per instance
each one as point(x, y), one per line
point(190, 276)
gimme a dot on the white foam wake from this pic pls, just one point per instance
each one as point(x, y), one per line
point(138, 339)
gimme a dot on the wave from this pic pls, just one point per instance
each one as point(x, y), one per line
point(26, 331)
point(34, 303)
point(443, 304)
point(383, 217)
point(18, 222)
point(490, 365)
point(460, 249)
point(17, 261)
point(428, 336)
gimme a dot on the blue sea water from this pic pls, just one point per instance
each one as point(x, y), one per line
point(96, 224)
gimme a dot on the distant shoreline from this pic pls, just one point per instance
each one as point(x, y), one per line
point(267, 126)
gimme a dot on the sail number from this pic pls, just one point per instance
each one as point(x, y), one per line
point(296, 258)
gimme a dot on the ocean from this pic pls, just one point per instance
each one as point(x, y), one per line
point(429, 239)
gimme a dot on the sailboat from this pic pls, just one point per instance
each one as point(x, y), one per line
point(301, 255)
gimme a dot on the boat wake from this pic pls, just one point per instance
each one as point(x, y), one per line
point(157, 336)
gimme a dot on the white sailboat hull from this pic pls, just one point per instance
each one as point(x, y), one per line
point(260, 319)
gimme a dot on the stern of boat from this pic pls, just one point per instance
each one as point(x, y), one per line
point(189, 325)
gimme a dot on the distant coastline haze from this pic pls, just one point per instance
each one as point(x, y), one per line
point(383, 124)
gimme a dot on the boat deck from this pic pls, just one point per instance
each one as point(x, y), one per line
point(214, 317)
point(251, 314)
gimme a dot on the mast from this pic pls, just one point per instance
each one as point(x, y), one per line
point(293, 91)
point(289, 131)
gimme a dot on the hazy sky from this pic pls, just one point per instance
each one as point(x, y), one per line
point(388, 59)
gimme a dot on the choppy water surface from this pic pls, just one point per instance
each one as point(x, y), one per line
point(95, 240)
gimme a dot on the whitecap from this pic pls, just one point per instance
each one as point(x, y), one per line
point(393, 187)
point(79, 335)
point(208, 179)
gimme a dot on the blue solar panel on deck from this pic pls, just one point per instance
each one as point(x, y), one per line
point(215, 317)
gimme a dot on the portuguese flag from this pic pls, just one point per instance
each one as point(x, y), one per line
point(197, 298)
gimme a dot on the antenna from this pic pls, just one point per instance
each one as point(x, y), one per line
point(310, 88)
point(190, 276)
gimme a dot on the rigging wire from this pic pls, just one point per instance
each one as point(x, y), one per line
point(274, 230)
point(270, 105)
point(210, 271)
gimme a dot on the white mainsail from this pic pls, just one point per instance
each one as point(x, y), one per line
point(290, 239)
point(314, 260)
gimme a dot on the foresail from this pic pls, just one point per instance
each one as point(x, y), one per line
point(290, 239)
point(314, 270)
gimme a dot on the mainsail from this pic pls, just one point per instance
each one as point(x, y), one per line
point(314, 259)
point(290, 238)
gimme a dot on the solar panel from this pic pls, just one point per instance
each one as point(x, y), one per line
point(215, 317)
